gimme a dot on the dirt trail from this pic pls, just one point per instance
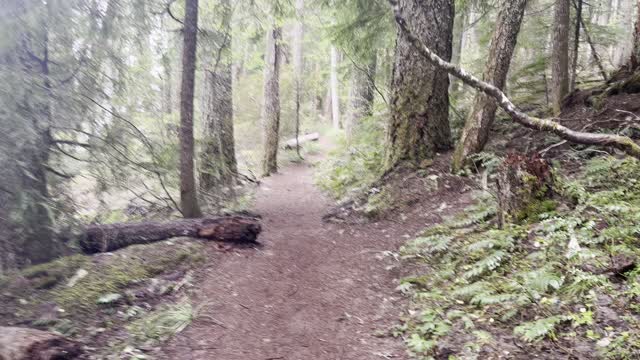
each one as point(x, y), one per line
point(312, 291)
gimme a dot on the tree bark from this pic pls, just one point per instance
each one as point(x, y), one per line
point(576, 45)
point(106, 238)
point(634, 61)
point(188, 196)
point(218, 167)
point(31, 344)
point(298, 65)
point(560, 54)
point(271, 106)
point(419, 120)
point(478, 125)
point(335, 96)
point(622, 143)
point(361, 94)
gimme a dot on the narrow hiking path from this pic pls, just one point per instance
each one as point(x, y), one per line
point(312, 291)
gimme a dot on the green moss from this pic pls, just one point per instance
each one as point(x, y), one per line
point(535, 208)
point(122, 272)
point(49, 275)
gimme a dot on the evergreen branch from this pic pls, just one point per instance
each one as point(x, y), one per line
point(623, 143)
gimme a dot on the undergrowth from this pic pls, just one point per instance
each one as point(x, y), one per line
point(565, 279)
point(352, 167)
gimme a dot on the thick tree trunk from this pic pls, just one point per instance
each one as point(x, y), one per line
point(188, 196)
point(419, 120)
point(458, 43)
point(271, 106)
point(298, 64)
point(218, 167)
point(334, 86)
point(361, 94)
point(622, 143)
point(106, 238)
point(30, 344)
point(478, 125)
point(560, 54)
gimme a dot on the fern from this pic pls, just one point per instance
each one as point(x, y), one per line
point(539, 329)
point(489, 263)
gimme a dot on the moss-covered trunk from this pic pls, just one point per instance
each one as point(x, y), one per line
point(271, 106)
point(419, 120)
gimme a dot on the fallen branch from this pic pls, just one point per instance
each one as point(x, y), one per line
point(105, 238)
point(622, 143)
point(291, 144)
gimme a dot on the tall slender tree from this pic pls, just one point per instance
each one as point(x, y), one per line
point(271, 105)
point(188, 192)
point(218, 166)
point(298, 64)
point(361, 94)
point(503, 43)
point(419, 121)
point(560, 54)
point(334, 88)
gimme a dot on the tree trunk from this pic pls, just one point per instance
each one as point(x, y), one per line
point(106, 238)
point(523, 183)
point(623, 143)
point(478, 125)
point(458, 43)
point(298, 64)
point(31, 344)
point(218, 167)
point(335, 96)
point(188, 196)
point(361, 94)
point(271, 106)
point(167, 84)
point(576, 46)
point(560, 54)
point(634, 61)
point(419, 119)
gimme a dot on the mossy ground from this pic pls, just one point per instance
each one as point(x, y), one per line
point(40, 296)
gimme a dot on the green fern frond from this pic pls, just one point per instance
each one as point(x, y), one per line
point(539, 329)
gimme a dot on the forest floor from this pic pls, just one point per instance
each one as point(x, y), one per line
point(313, 290)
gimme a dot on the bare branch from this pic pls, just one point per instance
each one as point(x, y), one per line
point(622, 143)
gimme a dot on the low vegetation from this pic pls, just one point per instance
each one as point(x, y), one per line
point(562, 280)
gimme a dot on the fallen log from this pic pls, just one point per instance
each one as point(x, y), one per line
point(291, 143)
point(31, 344)
point(106, 238)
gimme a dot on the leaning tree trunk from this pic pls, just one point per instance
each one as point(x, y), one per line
point(105, 238)
point(188, 198)
point(419, 120)
point(31, 344)
point(361, 94)
point(271, 106)
point(560, 54)
point(576, 46)
point(218, 167)
point(478, 125)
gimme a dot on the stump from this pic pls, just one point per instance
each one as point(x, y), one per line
point(105, 238)
point(524, 185)
point(30, 344)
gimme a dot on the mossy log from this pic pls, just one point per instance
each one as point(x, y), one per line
point(524, 186)
point(30, 344)
point(105, 238)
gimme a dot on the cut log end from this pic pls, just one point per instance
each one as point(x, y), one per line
point(31, 344)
